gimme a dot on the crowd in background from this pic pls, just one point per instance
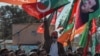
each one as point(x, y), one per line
point(42, 52)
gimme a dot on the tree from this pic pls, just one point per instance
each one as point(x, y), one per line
point(13, 15)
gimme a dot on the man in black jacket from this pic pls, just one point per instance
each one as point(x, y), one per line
point(50, 40)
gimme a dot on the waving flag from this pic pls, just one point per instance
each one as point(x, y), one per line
point(68, 30)
point(88, 10)
point(96, 12)
point(94, 37)
point(84, 37)
point(41, 29)
point(18, 2)
point(43, 8)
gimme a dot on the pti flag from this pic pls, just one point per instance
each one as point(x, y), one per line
point(96, 9)
point(87, 8)
point(43, 8)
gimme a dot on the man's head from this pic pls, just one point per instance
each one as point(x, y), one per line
point(54, 35)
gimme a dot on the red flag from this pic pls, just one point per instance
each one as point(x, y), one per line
point(55, 16)
point(40, 29)
point(60, 9)
point(31, 9)
point(54, 19)
point(98, 48)
point(43, 8)
point(94, 27)
point(74, 10)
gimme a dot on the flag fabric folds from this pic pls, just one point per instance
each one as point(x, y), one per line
point(94, 37)
point(84, 36)
point(43, 8)
point(18, 2)
point(54, 19)
point(94, 44)
point(85, 39)
point(64, 16)
point(65, 37)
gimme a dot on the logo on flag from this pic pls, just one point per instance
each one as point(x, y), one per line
point(46, 9)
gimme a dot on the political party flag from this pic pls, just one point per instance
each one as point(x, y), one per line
point(44, 7)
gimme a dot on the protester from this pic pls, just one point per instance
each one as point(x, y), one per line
point(4, 52)
point(42, 53)
point(22, 54)
point(33, 52)
point(19, 51)
point(51, 45)
point(11, 53)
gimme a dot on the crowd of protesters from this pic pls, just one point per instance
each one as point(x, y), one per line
point(51, 47)
point(42, 52)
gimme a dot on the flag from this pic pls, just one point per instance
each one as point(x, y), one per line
point(74, 10)
point(43, 8)
point(54, 19)
point(84, 36)
point(67, 32)
point(96, 12)
point(94, 26)
point(88, 10)
point(68, 28)
point(94, 37)
point(40, 29)
point(98, 48)
point(85, 51)
point(56, 16)
point(94, 44)
point(60, 9)
point(81, 18)
point(85, 39)
point(18, 2)
point(73, 18)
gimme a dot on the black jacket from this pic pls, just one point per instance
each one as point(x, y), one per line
point(48, 41)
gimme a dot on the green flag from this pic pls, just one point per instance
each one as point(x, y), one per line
point(94, 43)
point(84, 36)
point(96, 12)
point(44, 7)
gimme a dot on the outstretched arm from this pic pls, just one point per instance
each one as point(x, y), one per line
point(46, 30)
point(47, 37)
